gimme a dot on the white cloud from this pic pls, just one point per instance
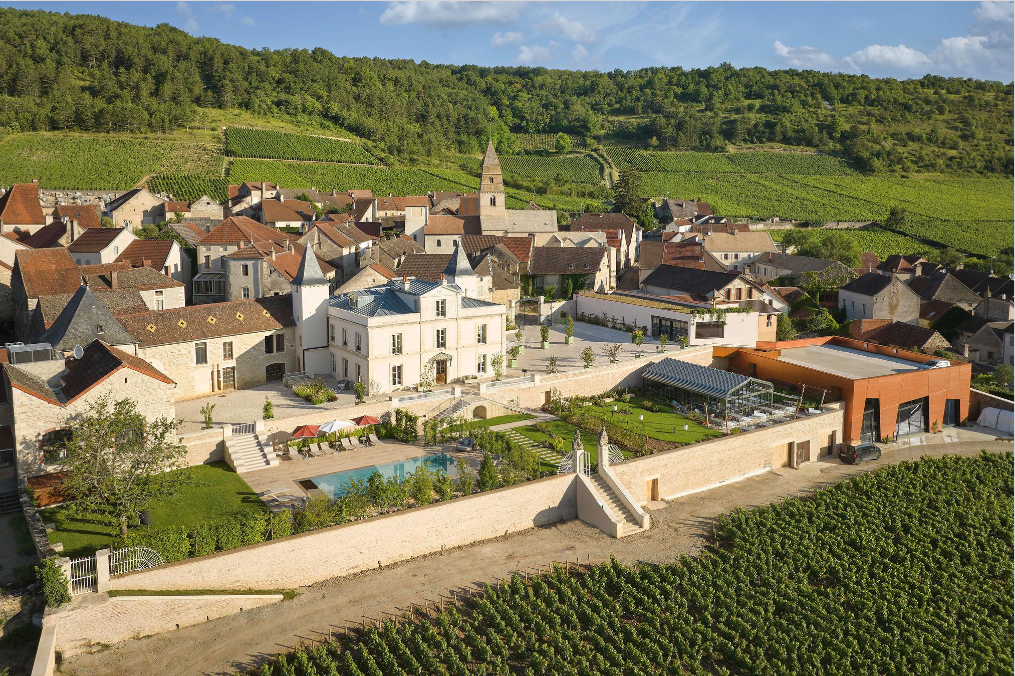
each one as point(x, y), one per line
point(888, 56)
point(450, 12)
point(534, 54)
point(962, 52)
point(190, 23)
point(569, 28)
point(227, 9)
point(805, 57)
point(579, 53)
point(248, 21)
point(507, 38)
point(995, 11)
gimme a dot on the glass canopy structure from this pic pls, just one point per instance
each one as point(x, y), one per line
point(725, 394)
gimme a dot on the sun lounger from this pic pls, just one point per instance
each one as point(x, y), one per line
point(322, 449)
point(347, 444)
point(355, 442)
point(373, 439)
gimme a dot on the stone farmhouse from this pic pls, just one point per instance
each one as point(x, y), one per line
point(231, 234)
point(875, 296)
point(100, 245)
point(266, 269)
point(135, 208)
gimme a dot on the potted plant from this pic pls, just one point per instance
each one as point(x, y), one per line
point(520, 338)
point(662, 342)
point(569, 330)
point(513, 357)
point(638, 337)
point(544, 336)
point(497, 362)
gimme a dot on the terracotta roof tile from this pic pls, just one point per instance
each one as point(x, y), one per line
point(240, 230)
point(445, 225)
point(590, 222)
point(382, 269)
point(47, 236)
point(150, 252)
point(212, 320)
point(20, 205)
point(101, 278)
point(177, 207)
point(566, 260)
point(86, 215)
point(47, 271)
point(521, 247)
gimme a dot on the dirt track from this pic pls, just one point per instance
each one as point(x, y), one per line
point(242, 641)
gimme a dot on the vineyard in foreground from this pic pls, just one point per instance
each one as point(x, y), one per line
point(903, 571)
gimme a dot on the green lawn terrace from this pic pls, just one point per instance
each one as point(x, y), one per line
point(210, 494)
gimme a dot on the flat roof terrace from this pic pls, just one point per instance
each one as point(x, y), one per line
point(846, 361)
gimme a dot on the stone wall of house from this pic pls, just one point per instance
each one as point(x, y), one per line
point(709, 463)
point(33, 417)
point(174, 297)
point(203, 447)
point(137, 211)
point(177, 360)
point(6, 295)
point(122, 618)
point(350, 548)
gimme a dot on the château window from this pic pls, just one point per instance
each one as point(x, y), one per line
point(442, 337)
point(345, 338)
point(396, 343)
point(481, 334)
point(359, 343)
point(481, 364)
point(442, 308)
point(201, 353)
point(396, 375)
point(227, 350)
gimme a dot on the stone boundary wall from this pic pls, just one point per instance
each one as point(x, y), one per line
point(706, 464)
point(353, 547)
point(120, 618)
point(979, 400)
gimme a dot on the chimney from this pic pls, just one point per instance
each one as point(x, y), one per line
point(146, 263)
point(75, 229)
point(272, 253)
point(987, 293)
point(965, 350)
point(113, 283)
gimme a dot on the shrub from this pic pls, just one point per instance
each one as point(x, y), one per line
point(421, 485)
point(662, 341)
point(544, 333)
point(361, 392)
point(551, 366)
point(55, 589)
point(206, 412)
point(173, 543)
point(487, 473)
point(444, 486)
point(589, 357)
point(268, 410)
point(466, 479)
point(315, 392)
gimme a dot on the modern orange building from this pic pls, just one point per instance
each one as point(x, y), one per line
point(888, 392)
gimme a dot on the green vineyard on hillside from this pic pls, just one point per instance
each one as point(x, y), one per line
point(279, 145)
point(189, 187)
point(101, 162)
point(576, 168)
point(906, 570)
point(342, 177)
point(747, 162)
point(882, 243)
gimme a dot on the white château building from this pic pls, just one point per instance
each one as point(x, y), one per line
point(400, 334)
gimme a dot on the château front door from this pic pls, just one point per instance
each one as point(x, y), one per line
point(442, 372)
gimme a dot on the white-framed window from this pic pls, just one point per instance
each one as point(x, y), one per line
point(441, 307)
point(345, 338)
point(396, 343)
point(245, 292)
point(481, 334)
point(331, 332)
point(345, 367)
point(359, 343)
point(359, 373)
point(442, 338)
point(396, 375)
point(334, 365)
point(481, 364)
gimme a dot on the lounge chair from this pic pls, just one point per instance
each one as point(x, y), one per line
point(322, 449)
point(373, 439)
point(347, 444)
point(335, 446)
point(355, 442)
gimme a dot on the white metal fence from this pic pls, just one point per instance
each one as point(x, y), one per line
point(129, 559)
point(243, 428)
point(82, 575)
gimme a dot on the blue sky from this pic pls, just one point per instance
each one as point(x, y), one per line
point(896, 39)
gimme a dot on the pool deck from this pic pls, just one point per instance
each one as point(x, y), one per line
point(289, 472)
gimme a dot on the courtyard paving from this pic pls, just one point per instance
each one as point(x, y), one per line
point(535, 359)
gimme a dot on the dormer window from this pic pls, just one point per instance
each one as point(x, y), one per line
point(570, 266)
point(98, 329)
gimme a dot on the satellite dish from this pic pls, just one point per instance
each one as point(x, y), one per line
point(78, 352)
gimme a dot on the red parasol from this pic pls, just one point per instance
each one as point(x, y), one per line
point(365, 420)
point(306, 431)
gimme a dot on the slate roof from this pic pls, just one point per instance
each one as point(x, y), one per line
point(119, 302)
point(375, 302)
point(566, 260)
point(100, 277)
point(468, 303)
point(309, 271)
point(154, 251)
point(94, 240)
point(20, 205)
point(693, 378)
point(46, 236)
point(86, 215)
point(389, 252)
point(979, 282)
point(211, 320)
point(81, 321)
point(869, 284)
point(689, 280)
point(424, 266)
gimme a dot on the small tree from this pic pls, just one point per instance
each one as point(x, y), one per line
point(562, 144)
point(551, 366)
point(662, 342)
point(444, 486)
point(544, 333)
point(118, 462)
point(421, 485)
point(638, 337)
point(487, 473)
point(784, 328)
point(268, 410)
point(612, 352)
point(569, 328)
point(361, 391)
point(518, 335)
point(55, 585)
point(207, 411)
point(497, 362)
point(589, 357)
point(466, 476)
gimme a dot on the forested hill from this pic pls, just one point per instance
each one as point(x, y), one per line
point(89, 73)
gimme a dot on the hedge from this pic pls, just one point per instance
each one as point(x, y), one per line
point(175, 543)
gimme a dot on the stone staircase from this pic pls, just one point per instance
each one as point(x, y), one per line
point(614, 506)
point(246, 453)
point(458, 407)
point(541, 451)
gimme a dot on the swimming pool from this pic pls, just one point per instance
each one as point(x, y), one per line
point(335, 485)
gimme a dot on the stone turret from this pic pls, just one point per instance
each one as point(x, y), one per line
point(491, 187)
point(310, 309)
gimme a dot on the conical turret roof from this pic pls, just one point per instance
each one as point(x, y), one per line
point(309, 272)
point(458, 266)
point(491, 155)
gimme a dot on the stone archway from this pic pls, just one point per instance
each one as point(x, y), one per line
point(480, 412)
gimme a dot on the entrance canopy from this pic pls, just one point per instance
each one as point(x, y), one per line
point(720, 390)
point(440, 356)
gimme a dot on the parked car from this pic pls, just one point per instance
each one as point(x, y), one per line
point(466, 444)
point(854, 455)
point(937, 364)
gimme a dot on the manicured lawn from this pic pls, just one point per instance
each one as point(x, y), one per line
point(564, 430)
point(501, 420)
point(663, 424)
point(211, 493)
